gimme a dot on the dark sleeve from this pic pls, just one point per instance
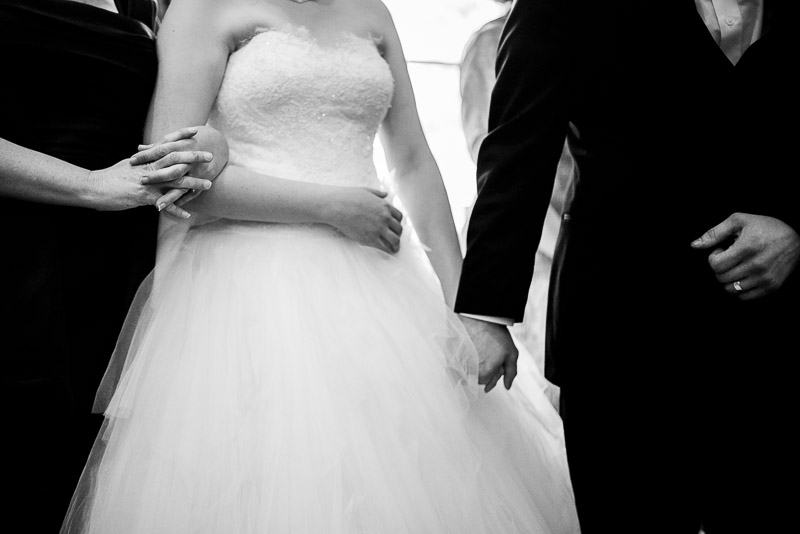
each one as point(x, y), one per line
point(518, 159)
point(145, 11)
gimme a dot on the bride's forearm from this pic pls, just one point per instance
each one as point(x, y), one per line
point(424, 196)
point(241, 194)
point(210, 140)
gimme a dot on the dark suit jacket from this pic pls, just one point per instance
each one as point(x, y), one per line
point(669, 139)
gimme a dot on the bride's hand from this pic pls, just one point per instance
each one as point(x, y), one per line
point(366, 216)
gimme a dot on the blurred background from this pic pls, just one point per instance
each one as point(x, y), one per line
point(434, 34)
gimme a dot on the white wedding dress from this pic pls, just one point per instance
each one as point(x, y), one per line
point(283, 379)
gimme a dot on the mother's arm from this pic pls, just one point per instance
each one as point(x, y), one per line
point(195, 40)
point(34, 176)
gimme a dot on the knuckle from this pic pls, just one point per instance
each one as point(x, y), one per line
point(772, 283)
point(178, 170)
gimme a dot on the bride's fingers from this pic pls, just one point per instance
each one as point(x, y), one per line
point(391, 242)
point(493, 380)
point(377, 192)
point(396, 213)
point(396, 227)
point(380, 244)
point(509, 372)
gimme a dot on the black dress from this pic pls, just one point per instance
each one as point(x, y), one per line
point(77, 82)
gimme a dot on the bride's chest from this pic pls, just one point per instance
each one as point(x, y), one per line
point(286, 72)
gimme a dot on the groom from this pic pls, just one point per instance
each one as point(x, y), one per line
point(675, 296)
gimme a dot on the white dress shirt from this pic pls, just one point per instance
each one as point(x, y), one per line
point(735, 25)
point(108, 5)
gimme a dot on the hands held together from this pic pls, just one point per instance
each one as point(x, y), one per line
point(765, 251)
point(497, 351)
point(157, 175)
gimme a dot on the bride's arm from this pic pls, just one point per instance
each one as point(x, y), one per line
point(418, 180)
point(194, 43)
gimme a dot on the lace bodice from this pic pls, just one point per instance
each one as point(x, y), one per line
point(295, 109)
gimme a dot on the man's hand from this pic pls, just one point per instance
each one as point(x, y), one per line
point(496, 350)
point(763, 255)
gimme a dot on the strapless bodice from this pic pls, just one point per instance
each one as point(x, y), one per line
point(295, 109)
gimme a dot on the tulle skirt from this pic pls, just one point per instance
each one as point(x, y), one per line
point(283, 379)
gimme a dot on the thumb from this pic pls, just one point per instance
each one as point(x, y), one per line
point(717, 235)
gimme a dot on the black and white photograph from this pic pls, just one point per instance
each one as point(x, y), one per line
point(399, 266)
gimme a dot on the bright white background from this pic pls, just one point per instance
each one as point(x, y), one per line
point(433, 34)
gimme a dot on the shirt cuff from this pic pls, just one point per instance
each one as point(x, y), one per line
point(489, 318)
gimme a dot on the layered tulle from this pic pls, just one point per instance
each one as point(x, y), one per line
point(283, 379)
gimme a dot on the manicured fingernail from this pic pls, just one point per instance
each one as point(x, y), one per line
point(697, 243)
point(207, 185)
point(192, 129)
point(185, 215)
point(161, 206)
point(208, 156)
point(144, 180)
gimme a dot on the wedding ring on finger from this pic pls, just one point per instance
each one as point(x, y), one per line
point(737, 286)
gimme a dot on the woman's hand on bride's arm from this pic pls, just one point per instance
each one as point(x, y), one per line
point(366, 216)
point(35, 176)
point(192, 139)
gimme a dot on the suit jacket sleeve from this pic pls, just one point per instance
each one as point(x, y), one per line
point(517, 162)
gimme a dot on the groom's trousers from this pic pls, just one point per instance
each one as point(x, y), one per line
point(668, 435)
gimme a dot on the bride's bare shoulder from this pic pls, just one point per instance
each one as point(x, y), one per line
point(376, 17)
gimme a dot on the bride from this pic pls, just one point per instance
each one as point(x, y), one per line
point(294, 365)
